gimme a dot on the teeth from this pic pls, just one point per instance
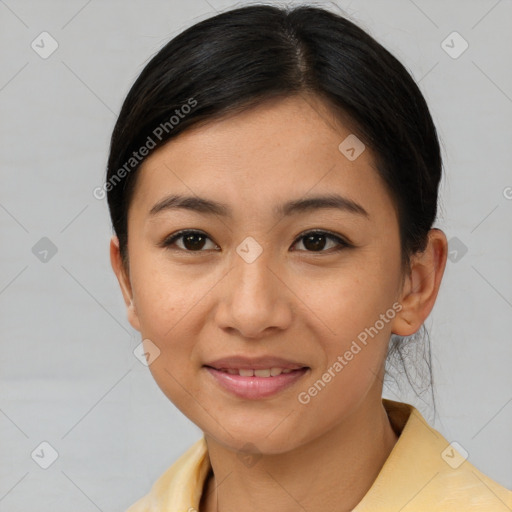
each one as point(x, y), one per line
point(262, 373)
point(267, 372)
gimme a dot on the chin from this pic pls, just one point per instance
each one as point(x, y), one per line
point(272, 440)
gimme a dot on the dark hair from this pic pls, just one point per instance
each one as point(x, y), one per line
point(245, 56)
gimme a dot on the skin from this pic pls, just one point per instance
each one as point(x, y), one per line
point(292, 301)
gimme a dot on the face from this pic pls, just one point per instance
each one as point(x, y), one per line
point(264, 287)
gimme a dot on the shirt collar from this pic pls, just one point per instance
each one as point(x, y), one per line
point(420, 456)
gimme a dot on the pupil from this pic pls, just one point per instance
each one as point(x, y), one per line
point(315, 244)
point(188, 241)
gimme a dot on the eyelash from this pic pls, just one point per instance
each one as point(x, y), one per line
point(342, 244)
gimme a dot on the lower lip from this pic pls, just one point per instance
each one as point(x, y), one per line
point(255, 387)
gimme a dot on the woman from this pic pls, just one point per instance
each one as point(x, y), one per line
point(272, 183)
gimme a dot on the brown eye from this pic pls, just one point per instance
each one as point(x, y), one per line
point(316, 241)
point(192, 241)
point(313, 241)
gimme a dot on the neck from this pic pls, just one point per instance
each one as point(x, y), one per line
point(332, 472)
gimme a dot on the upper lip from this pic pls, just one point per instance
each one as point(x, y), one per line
point(254, 363)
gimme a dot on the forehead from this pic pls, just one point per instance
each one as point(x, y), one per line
point(264, 156)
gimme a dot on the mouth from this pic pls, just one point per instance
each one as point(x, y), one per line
point(250, 372)
point(256, 378)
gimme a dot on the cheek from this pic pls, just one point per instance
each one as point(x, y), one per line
point(165, 296)
point(355, 345)
point(172, 310)
point(356, 304)
point(169, 309)
point(352, 298)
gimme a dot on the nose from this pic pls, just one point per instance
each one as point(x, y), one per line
point(256, 300)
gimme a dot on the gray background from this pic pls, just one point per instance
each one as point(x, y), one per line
point(68, 373)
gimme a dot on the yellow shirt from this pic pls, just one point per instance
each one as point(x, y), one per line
point(423, 473)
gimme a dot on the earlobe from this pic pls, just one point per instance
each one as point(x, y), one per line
point(422, 284)
point(124, 282)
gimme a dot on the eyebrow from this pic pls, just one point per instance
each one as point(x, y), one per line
point(209, 207)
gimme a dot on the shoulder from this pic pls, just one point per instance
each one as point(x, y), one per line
point(467, 488)
point(426, 472)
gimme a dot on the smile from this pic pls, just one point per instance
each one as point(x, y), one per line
point(254, 384)
point(267, 372)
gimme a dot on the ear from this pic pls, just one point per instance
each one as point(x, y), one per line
point(124, 282)
point(421, 286)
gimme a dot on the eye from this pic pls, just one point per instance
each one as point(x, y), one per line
point(313, 241)
point(193, 241)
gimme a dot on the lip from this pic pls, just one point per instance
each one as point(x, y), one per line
point(254, 363)
point(255, 388)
